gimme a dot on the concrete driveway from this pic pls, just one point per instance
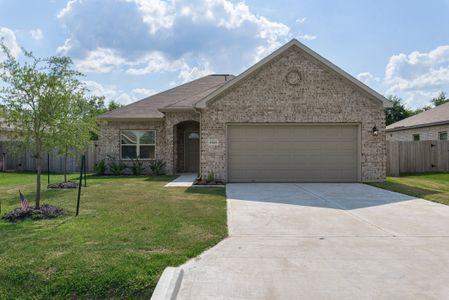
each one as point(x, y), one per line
point(324, 241)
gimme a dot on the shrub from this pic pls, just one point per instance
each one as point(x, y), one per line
point(137, 166)
point(211, 177)
point(100, 167)
point(157, 166)
point(115, 167)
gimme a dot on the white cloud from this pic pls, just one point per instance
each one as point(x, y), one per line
point(113, 93)
point(67, 9)
point(301, 21)
point(9, 39)
point(156, 14)
point(157, 62)
point(37, 34)
point(367, 77)
point(418, 76)
point(308, 37)
point(193, 37)
point(100, 60)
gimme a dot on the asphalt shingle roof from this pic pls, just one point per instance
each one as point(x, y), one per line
point(436, 115)
point(183, 96)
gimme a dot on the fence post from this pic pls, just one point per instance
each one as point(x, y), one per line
point(79, 186)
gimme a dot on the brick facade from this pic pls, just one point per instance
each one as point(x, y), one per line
point(425, 133)
point(267, 97)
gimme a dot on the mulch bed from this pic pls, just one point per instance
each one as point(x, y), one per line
point(46, 211)
point(63, 185)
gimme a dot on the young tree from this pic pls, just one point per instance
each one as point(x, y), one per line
point(76, 128)
point(36, 95)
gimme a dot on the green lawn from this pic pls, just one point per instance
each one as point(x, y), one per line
point(430, 186)
point(128, 231)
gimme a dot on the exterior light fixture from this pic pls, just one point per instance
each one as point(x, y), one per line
point(375, 131)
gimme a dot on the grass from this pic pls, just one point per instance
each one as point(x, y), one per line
point(128, 231)
point(429, 186)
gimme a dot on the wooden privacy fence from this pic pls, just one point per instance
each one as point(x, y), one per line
point(25, 161)
point(417, 157)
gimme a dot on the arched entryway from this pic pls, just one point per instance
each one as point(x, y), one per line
point(187, 147)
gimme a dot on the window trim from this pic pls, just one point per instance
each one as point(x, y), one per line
point(416, 135)
point(443, 132)
point(137, 145)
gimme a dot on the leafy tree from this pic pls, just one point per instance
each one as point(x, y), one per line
point(440, 99)
point(37, 95)
point(99, 107)
point(397, 112)
point(77, 126)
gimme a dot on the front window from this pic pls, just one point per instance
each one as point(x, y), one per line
point(442, 136)
point(138, 144)
point(416, 137)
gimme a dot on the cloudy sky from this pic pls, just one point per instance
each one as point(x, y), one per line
point(130, 49)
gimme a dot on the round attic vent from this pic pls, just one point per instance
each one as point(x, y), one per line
point(293, 77)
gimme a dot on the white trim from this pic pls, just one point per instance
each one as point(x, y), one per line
point(202, 103)
point(137, 145)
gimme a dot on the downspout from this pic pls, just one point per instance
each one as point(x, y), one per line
point(201, 136)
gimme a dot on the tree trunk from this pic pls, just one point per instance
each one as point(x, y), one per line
point(38, 181)
point(65, 165)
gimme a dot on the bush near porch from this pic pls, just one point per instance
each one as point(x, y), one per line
point(128, 231)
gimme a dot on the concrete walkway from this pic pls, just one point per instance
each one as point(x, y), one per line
point(324, 241)
point(184, 180)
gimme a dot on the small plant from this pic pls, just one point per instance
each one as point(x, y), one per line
point(137, 166)
point(100, 167)
point(211, 177)
point(157, 166)
point(115, 167)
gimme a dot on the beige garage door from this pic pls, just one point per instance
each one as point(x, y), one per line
point(276, 153)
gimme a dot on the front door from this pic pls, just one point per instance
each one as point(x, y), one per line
point(191, 151)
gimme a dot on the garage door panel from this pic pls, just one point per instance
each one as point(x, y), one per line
point(292, 153)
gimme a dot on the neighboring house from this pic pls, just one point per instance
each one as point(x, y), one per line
point(429, 125)
point(294, 116)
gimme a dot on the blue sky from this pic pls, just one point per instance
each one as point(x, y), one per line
point(130, 49)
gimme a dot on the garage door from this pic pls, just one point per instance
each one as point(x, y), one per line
point(276, 153)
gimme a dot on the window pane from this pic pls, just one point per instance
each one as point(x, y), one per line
point(194, 136)
point(147, 137)
point(147, 152)
point(443, 136)
point(129, 152)
point(416, 137)
point(129, 137)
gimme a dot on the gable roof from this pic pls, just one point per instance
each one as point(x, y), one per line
point(435, 116)
point(293, 43)
point(177, 98)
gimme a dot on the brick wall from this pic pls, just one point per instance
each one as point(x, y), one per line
point(267, 97)
point(425, 133)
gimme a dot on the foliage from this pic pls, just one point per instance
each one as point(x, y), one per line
point(137, 167)
point(211, 177)
point(128, 231)
point(157, 166)
point(100, 167)
point(98, 106)
point(116, 167)
point(440, 99)
point(37, 95)
point(398, 112)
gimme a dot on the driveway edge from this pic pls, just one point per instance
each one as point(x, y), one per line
point(168, 285)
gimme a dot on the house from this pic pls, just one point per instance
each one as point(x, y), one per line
point(294, 116)
point(429, 125)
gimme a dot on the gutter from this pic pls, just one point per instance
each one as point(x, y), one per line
point(417, 126)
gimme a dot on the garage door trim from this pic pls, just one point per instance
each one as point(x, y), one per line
point(359, 139)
